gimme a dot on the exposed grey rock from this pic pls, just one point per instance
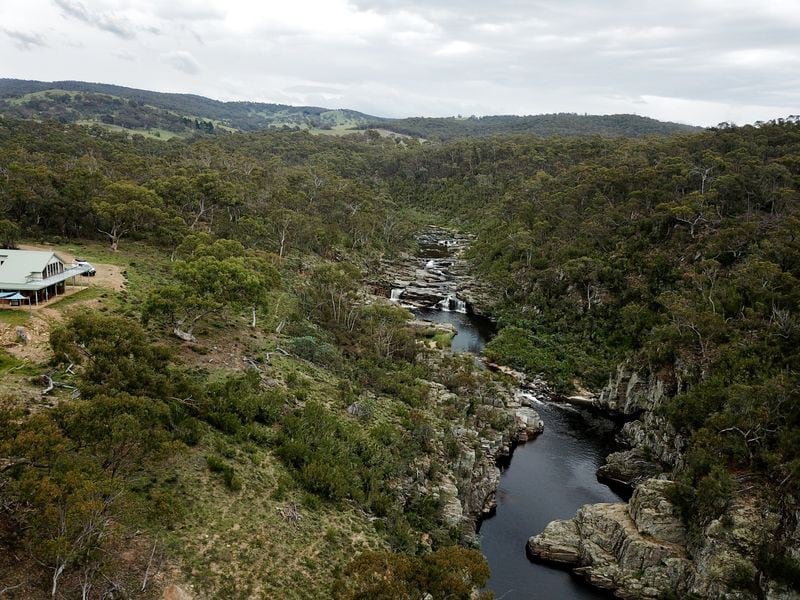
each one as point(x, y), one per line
point(529, 424)
point(467, 483)
point(438, 273)
point(359, 410)
point(452, 511)
point(655, 438)
point(628, 467)
point(631, 551)
point(731, 543)
point(654, 514)
point(629, 393)
point(558, 543)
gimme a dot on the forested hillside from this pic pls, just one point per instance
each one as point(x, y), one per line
point(163, 115)
point(680, 256)
point(558, 124)
point(244, 399)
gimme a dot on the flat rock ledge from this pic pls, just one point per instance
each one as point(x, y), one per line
point(634, 550)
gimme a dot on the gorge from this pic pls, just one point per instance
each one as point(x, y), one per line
point(547, 477)
point(527, 530)
point(652, 281)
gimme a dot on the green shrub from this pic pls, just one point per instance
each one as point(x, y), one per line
point(316, 351)
point(217, 465)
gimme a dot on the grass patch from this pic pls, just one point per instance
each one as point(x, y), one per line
point(153, 134)
point(9, 364)
point(14, 317)
point(444, 339)
point(218, 465)
point(247, 547)
point(87, 293)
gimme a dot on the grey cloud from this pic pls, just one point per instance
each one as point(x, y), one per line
point(313, 89)
point(189, 10)
point(695, 61)
point(623, 47)
point(182, 61)
point(25, 40)
point(106, 21)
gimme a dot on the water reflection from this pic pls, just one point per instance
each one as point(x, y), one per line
point(548, 478)
point(472, 331)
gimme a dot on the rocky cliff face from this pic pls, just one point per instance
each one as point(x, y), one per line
point(652, 446)
point(635, 550)
point(466, 483)
point(469, 485)
point(642, 549)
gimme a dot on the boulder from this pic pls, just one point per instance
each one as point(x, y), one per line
point(559, 543)
point(654, 514)
point(529, 424)
point(452, 511)
point(633, 550)
point(629, 393)
point(628, 468)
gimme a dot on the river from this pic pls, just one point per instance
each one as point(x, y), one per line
point(548, 478)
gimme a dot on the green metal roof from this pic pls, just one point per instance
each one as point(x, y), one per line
point(21, 269)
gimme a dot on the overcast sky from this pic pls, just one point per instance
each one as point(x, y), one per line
point(693, 61)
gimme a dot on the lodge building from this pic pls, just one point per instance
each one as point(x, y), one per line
point(32, 277)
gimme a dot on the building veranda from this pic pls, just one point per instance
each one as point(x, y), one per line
point(33, 277)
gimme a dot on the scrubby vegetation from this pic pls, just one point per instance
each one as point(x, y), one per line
point(245, 359)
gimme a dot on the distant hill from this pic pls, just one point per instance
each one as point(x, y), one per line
point(566, 124)
point(166, 115)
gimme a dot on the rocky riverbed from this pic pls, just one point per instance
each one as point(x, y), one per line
point(437, 276)
point(638, 549)
point(433, 283)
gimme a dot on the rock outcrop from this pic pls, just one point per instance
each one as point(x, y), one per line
point(629, 393)
point(651, 445)
point(476, 472)
point(438, 277)
point(635, 550)
point(468, 473)
point(640, 549)
point(628, 468)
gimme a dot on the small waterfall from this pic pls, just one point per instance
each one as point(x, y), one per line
point(452, 304)
point(429, 265)
point(395, 294)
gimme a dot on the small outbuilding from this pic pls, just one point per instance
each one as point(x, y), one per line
point(36, 275)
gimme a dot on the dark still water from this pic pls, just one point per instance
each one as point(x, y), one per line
point(548, 478)
point(472, 332)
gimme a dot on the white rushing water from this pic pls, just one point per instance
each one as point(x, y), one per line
point(395, 294)
point(452, 304)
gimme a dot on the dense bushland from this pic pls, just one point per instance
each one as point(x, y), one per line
point(681, 255)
